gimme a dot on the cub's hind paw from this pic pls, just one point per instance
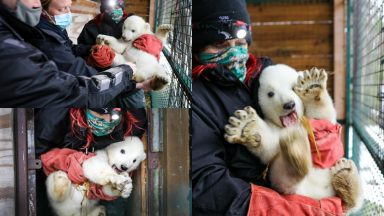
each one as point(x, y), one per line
point(346, 182)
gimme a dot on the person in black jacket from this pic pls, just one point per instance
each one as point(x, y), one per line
point(56, 44)
point(30, 79)
point(110, 22)
point(73, 128)
point(225, 176)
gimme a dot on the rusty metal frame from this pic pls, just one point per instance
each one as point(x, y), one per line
point(21, 161)
point(155, 169)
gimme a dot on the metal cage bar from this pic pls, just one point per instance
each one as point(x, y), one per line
point(21, 162)
point(178, 53)
point(365, 84)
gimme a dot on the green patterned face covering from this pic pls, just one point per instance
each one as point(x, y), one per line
point(116, 15)
point(99, 126)
point(234, 58)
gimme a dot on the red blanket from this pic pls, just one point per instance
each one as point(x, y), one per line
point(70, 161)
point(329, 143)
point(101, 56)
point(150, 44)
point(265, 201)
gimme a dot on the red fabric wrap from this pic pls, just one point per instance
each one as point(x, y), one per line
point(329, 143)
point(71, 161)
point(253, 69)
point(150, 44)
point(199, 69)
point(265, 202)
point(102, 56)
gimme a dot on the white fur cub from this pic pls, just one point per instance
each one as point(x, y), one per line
point(147, 64)
point(281, 140)
point(109, 168)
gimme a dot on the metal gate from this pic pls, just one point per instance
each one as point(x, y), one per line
point(177, 52)
point(365, 98)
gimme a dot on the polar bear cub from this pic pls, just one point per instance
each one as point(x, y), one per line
point(109, 168)
point(280, 139)
point(147, 64)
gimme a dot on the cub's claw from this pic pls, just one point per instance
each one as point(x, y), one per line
point(311, 84)
point(346, 182)
point(243, 128)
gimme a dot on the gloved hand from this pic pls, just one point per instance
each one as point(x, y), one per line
point(101, 56)
point(265, 201)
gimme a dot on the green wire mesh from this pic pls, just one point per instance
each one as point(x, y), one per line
point(177, 53)
point(367, 93)
point(286, 1)
point(372, 178)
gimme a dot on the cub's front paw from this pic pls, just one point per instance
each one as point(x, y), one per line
point(127, 190)
point(119, 181)
point(244, 127)
point(104, 39)
point(312, 84)
point(346, 182)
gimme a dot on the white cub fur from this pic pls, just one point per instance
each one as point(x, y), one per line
point(109, 168)
point(281, 140)
point(147, 65)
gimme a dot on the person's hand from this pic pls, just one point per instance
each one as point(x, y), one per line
point(145, 85)
point(133, 67)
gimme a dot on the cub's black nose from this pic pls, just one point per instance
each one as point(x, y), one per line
point(124, 168)
point(290, 105)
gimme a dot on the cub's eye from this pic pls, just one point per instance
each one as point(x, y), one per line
point(133, 30)
point(122, 151)
point(134, 161)
point(270, 94)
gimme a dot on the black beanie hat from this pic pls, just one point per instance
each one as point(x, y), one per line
point(104, 4)
point(214, 11)
point(105, 110)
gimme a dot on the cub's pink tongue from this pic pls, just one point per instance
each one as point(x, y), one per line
point(288, 120)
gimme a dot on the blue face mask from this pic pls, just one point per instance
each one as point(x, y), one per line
point(63, 20)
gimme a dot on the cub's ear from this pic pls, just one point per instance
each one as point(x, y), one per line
point(147, 27)
point(143, 156)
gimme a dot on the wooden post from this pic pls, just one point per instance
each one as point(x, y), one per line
point(339, 58)
point(152, 13)
point(176, 162)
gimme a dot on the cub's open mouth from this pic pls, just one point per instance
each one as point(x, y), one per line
point(117, 169)
point(289, 119)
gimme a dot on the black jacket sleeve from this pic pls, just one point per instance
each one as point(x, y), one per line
point(221, 172)
point(80, 50)
point(88, 34)
point(29, 79)
point(215, 190)
point(61, 52)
